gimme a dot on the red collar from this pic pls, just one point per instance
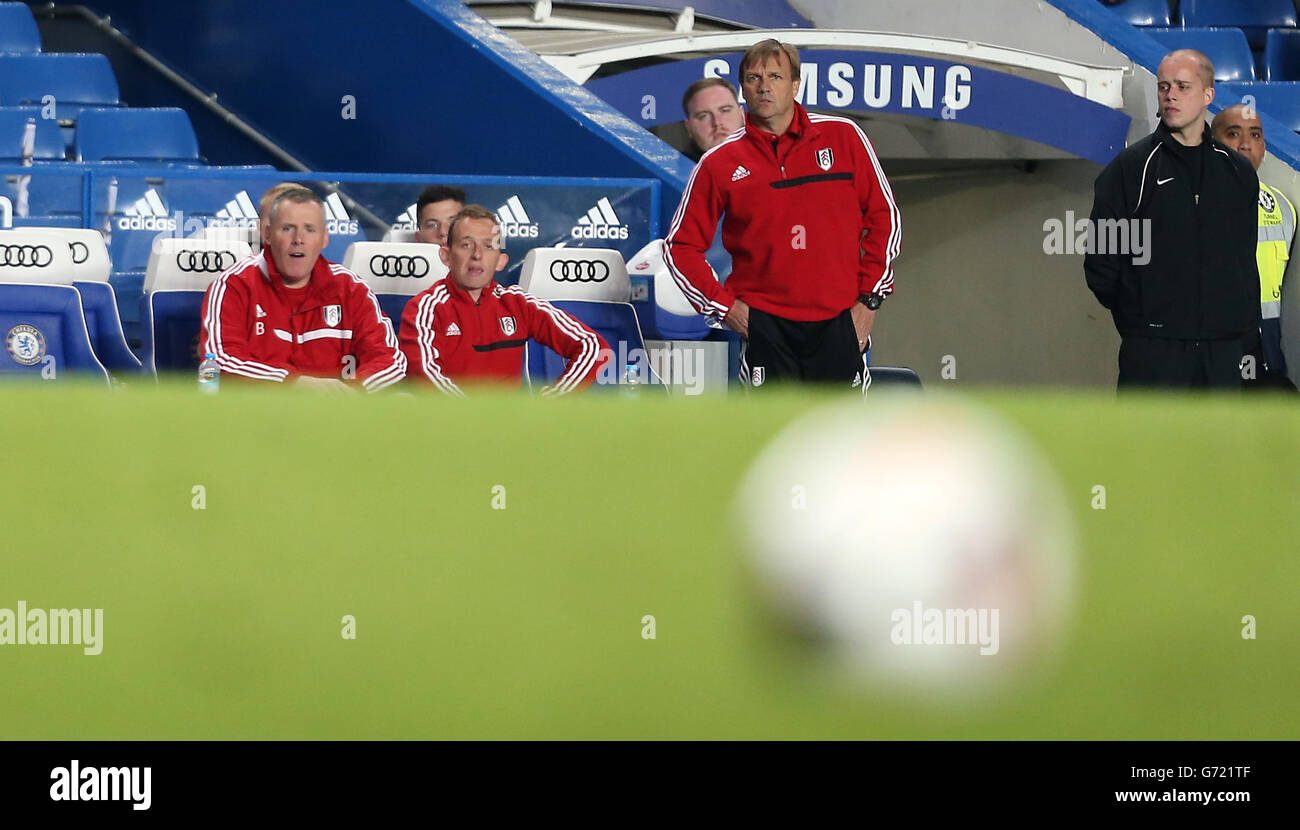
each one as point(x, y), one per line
point(800, 126)
point(461, 294)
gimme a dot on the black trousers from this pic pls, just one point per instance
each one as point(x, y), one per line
point(816, 351)
point(1155, 363)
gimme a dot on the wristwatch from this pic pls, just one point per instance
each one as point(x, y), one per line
point(872, 300)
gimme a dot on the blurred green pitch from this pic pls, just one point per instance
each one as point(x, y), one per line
point(475, 622)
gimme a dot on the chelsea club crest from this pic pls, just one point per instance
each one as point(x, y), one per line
point(26, 344)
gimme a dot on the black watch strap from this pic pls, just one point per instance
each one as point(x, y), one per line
point(872, 300)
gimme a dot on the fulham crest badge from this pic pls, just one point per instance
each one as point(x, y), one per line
point(507, 326)
point(333, 315)
point(825, 158)
point(757, 376)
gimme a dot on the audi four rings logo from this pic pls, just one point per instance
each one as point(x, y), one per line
point(27, 256)
point(204, 260)
point(579, 270)
point(80, 253)
point(387, 265)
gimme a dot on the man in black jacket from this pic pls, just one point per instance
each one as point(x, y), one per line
point(1183, 299)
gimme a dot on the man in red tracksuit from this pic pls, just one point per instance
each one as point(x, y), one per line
point(466, 327)
point(810, 222)
point(288, 314)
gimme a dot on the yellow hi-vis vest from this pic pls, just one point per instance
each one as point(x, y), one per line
point(1276, 230)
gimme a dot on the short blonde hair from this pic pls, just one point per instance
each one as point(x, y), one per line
point(473, 212)
point(269, 197)
point(1204, 67)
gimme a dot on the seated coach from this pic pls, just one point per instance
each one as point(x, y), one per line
point(288, 314)
point(468, 328)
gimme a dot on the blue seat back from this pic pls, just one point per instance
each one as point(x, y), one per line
point(1227, 49)
point(104, 327)
point(1142, 12)
point(615, 322)
point(13, 123)
point(171, 322)
point(74, 80)
point(894, 376)
point(393, 305)
point(1279, 99)
point(1253, 17)
point(18, 32)
point(44, 329)
point(1282, 55)
point(162, 134)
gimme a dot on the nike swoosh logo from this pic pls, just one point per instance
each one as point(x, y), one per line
point(1165, 181)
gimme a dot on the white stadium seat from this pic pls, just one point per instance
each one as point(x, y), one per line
point(35, 256)
point(404, 268)
point(592, 274)
point(190, 264)
point(399, 236)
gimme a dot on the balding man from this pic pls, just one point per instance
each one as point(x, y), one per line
point(1184, 298)
point(1239, 127)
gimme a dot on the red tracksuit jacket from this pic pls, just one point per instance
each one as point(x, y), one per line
point(261, 330)
point(793, 210)
point(449, 338)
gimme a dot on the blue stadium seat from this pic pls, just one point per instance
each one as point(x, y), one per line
point(162, 134)
point(1142, 12)
point(41, 315)
point(18, 32)
point(1253, 17)
point(1282, 55)
point(180, 271)
point(673, 317)
point(893, 376)
point(1279, 100)
point(90, 270)
point(1227, 49)
point(13, 124)
point(74, 80)
point(616, 322)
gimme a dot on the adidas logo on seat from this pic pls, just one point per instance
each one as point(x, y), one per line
point(452, 329)
point(406, 221)
point(147, 214)
point(514, 220)
point(336, 217)
point(239, 212)
point(601, 222)
point(740, 173)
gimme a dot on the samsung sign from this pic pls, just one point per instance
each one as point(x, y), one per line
point(898, 83)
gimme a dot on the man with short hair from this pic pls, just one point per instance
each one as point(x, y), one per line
point(264, 208)
point(467, 328)
point(1183, 306)
point(287, 313)
point(437, 206)
point(1239, 127)
point(810, 222)
point(712, 109)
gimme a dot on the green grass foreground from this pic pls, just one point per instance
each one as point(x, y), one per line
point(470, 621)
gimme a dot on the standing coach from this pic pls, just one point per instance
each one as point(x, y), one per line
point(810, 222)
point(1183, 313)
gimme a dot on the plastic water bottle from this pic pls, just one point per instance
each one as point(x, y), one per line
point(209, 375)
point(631, 380)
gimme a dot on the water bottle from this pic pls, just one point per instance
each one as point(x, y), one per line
point(209, 375)
point(631, 379)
